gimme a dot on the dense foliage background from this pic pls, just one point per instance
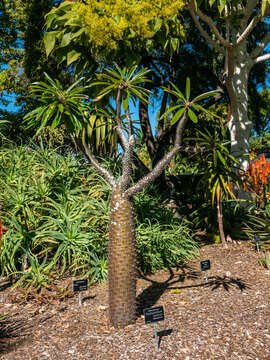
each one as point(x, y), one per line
point(55, 208)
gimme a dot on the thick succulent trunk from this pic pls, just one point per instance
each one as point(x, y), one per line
point(122, 254)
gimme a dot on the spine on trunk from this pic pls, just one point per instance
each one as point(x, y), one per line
point(122, 253)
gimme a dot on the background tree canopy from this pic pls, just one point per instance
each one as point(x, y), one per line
point(165, 40)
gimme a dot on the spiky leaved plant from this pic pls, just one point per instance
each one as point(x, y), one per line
point(125, 85)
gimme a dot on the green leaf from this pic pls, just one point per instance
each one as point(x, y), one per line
point(49, 19)
point(149, 44)
point(77, 33)
point(221, 6)
point(66, 39)
point(206, 95)
point(176, 92)
point(98, 134)
point(170, 109)
point(56, 121)
point(158, 24)
point(49, 41)
point(126, 101)
point(177, 116)
point(192, 116)
point(187, 88)
point(72, 56)
point(264, 5)
point(211, 2)
point(174, 43)
point(61, 108)
point(221, 158)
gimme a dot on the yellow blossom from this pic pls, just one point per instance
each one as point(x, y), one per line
point(109, 21)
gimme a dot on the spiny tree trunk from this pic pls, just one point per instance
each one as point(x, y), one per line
point(122, 256)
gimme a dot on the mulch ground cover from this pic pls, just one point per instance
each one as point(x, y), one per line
point(226, 318)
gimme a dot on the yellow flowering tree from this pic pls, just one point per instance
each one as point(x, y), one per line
point(100, 29)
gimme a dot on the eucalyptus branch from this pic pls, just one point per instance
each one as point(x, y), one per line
point(207, 19)
point(204, 33)
point(149, 178)
point(249, 29)
point(228, 82)
point(107, 174)
point(259, 48)
point(262, 58)
point(118, 128)
point(251, 4)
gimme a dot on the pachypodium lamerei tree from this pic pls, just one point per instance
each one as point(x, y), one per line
point(126, 85)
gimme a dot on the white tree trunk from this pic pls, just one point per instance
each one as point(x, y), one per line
point(239, 125)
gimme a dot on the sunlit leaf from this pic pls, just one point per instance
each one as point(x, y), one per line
point(192, 116)
point(177, 116)
point(187, 88)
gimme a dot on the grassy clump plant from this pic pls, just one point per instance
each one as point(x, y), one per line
point(55, 211)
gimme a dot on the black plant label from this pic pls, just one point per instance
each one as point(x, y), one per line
point(205, 265)
point(152, 315)
point(80, 285)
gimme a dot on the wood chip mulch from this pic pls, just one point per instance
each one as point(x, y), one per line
point(226, 318)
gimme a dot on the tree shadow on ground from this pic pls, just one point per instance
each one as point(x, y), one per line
point(152, 294)
point(16, 329)
point(12, 333)
point(227, 283)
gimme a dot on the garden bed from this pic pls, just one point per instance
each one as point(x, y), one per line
point(228, 318)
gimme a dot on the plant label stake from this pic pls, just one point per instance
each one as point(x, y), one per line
point(153, 315)
point(78, 286)
point(205, 265)
point(257, 242)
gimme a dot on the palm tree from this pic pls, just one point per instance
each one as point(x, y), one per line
point(125, 85)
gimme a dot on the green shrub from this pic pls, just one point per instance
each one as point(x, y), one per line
point(56, 212)
point(162, 239)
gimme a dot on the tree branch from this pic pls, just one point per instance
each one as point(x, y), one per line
point(160, 124)
point(228, 82)
point(248, 29)
point(262, 58)
point(262, 45)
point(127, 164)
point(146, 129)
point(118, 127)
point(130, 128)
point(149, 178)
point(251, 4)
point(211, 24)
point(107, 174)
point(204, 33)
